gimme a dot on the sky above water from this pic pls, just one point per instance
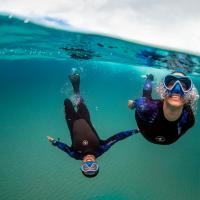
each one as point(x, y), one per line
point(167, 23)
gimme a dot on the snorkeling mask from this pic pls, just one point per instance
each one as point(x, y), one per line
point(177, 84)
point(89, 168)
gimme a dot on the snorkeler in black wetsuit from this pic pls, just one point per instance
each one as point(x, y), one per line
point(165, 121)
point(86, 144)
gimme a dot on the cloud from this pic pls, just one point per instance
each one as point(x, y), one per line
point(172, 24)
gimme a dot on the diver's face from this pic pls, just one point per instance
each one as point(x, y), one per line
point(89, 158)
point(175, 99)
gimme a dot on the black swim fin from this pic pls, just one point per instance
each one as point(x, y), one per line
point(75, 81)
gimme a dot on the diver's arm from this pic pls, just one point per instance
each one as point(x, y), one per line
point(64, 147)
point(118, 137)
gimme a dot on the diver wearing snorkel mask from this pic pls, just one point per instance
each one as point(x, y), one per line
point(177, 84)
point(165, 121)
point(86, 144)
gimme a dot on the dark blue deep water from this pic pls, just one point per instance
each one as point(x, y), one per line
point(35, 62)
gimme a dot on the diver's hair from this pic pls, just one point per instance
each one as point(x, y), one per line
point(191, 98)
point(91, 176)
point(179, 71)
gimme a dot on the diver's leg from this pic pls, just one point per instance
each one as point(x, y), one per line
point(147, 94)
point(147, 89)
point(83, 113)
point(70, 115)
point(75, 81)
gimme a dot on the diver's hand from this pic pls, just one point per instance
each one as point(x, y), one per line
point(131, 104)
point(50, 139)
point(150, 77)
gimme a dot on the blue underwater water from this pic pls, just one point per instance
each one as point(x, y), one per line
point(35, 62)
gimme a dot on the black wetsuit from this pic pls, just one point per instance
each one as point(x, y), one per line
point(85, 139)
point(152, 123)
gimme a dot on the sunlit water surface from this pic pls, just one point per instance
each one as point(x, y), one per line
point(35, 62)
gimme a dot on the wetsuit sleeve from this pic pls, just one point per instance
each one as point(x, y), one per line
point(66, 148)
point(117, 137)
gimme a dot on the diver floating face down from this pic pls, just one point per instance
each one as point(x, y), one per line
point(89, 167)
